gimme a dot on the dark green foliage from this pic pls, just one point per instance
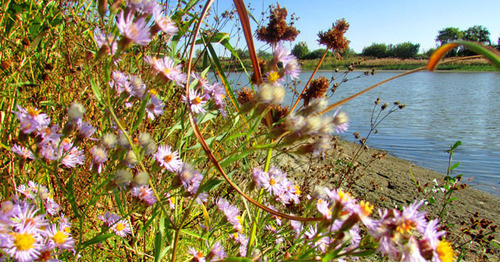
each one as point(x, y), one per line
point(405, 50)
point(300, 50)
point(375, 50)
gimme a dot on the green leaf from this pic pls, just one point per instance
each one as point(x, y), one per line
point(237, 259)
point(365, 253)
point(431, 200)
point(158, 246)
point(141, 113)
point(211, 184)
point(71, 197)
point(451, 199)
point(455, 165)
point(95, 240)
point(96, 90)
point(457, 144)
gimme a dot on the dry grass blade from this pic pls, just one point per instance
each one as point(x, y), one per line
point(247, 31)
point(345, 100)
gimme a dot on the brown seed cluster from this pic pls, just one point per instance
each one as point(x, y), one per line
point(334, 38)
point(245, 95)
point(316, 89)
point(278, 112)
point(277, 29)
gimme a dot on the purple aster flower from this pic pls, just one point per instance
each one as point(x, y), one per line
point(121, 228)
point(217, 252)
point(74, 157)
point(103, 39)
point(324, 208)
point(197, 255)
point(411, 218)
point(144, 194)
point(167, 68)
point(51, 206)
point(154, 107)
point(137, 32)
point(196, 101)
point(30, 119)
point(23, 245)
point(22, 151)
point(59, 238)
point(109, 218)
point(288, 62)
point(99, 157)
point(28, 219)
point(85, 130)
point(164, 22)
point(232, 214)
point(340, 121)
point(168, 159)
point(190, 178)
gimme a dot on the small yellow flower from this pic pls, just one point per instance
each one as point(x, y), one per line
point(24, 241)
point(445, 251)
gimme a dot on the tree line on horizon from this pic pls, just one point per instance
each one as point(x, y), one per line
point(404, 50)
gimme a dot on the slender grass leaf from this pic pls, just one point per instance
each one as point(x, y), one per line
point(96, 240)
point(71, 197)
point(96, 91)
point(488, 52)
point(140, 115)
point(211, 184)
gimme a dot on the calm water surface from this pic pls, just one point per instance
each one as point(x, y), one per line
point(441, 108)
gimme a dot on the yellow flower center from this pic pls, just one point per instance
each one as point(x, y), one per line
point(168, 158)
point(272, 182)
point(366, 208)
point(32, 111)
point(445, 251)
point(196, 100)
point(120, 226)
point(24, 241)
point(167, 71)
point(406, 226)
point(59, 237)
point(273, 76)
point(297, 190)
point(152, 92)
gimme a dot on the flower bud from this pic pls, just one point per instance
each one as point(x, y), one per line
point(123, 178)
point(109, 140)
point(75, 112)
point(142, 178)
point(130, 158)
point(145, 139)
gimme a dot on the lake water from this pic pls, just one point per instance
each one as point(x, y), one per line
point(441, 108)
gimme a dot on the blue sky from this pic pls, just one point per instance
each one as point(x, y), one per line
point(384, 21)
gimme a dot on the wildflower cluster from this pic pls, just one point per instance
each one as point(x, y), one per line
point(52, 143)
point(276, 183)
point(27, 233)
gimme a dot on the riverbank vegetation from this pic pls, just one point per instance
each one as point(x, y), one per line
point(117, 145)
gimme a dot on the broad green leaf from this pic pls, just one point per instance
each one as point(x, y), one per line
point(211, 184)
point(96, 90)
point(455, 165)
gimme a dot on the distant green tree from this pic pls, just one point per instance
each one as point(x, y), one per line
point(264, 55)
point(300, 50)
point(317, 54)
point(348, 53)
point(405, 50)
point(447, 35)
point(375, 50)
point(478, 33)
point(242, 54)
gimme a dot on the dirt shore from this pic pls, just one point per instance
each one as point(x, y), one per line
point(388, 182)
